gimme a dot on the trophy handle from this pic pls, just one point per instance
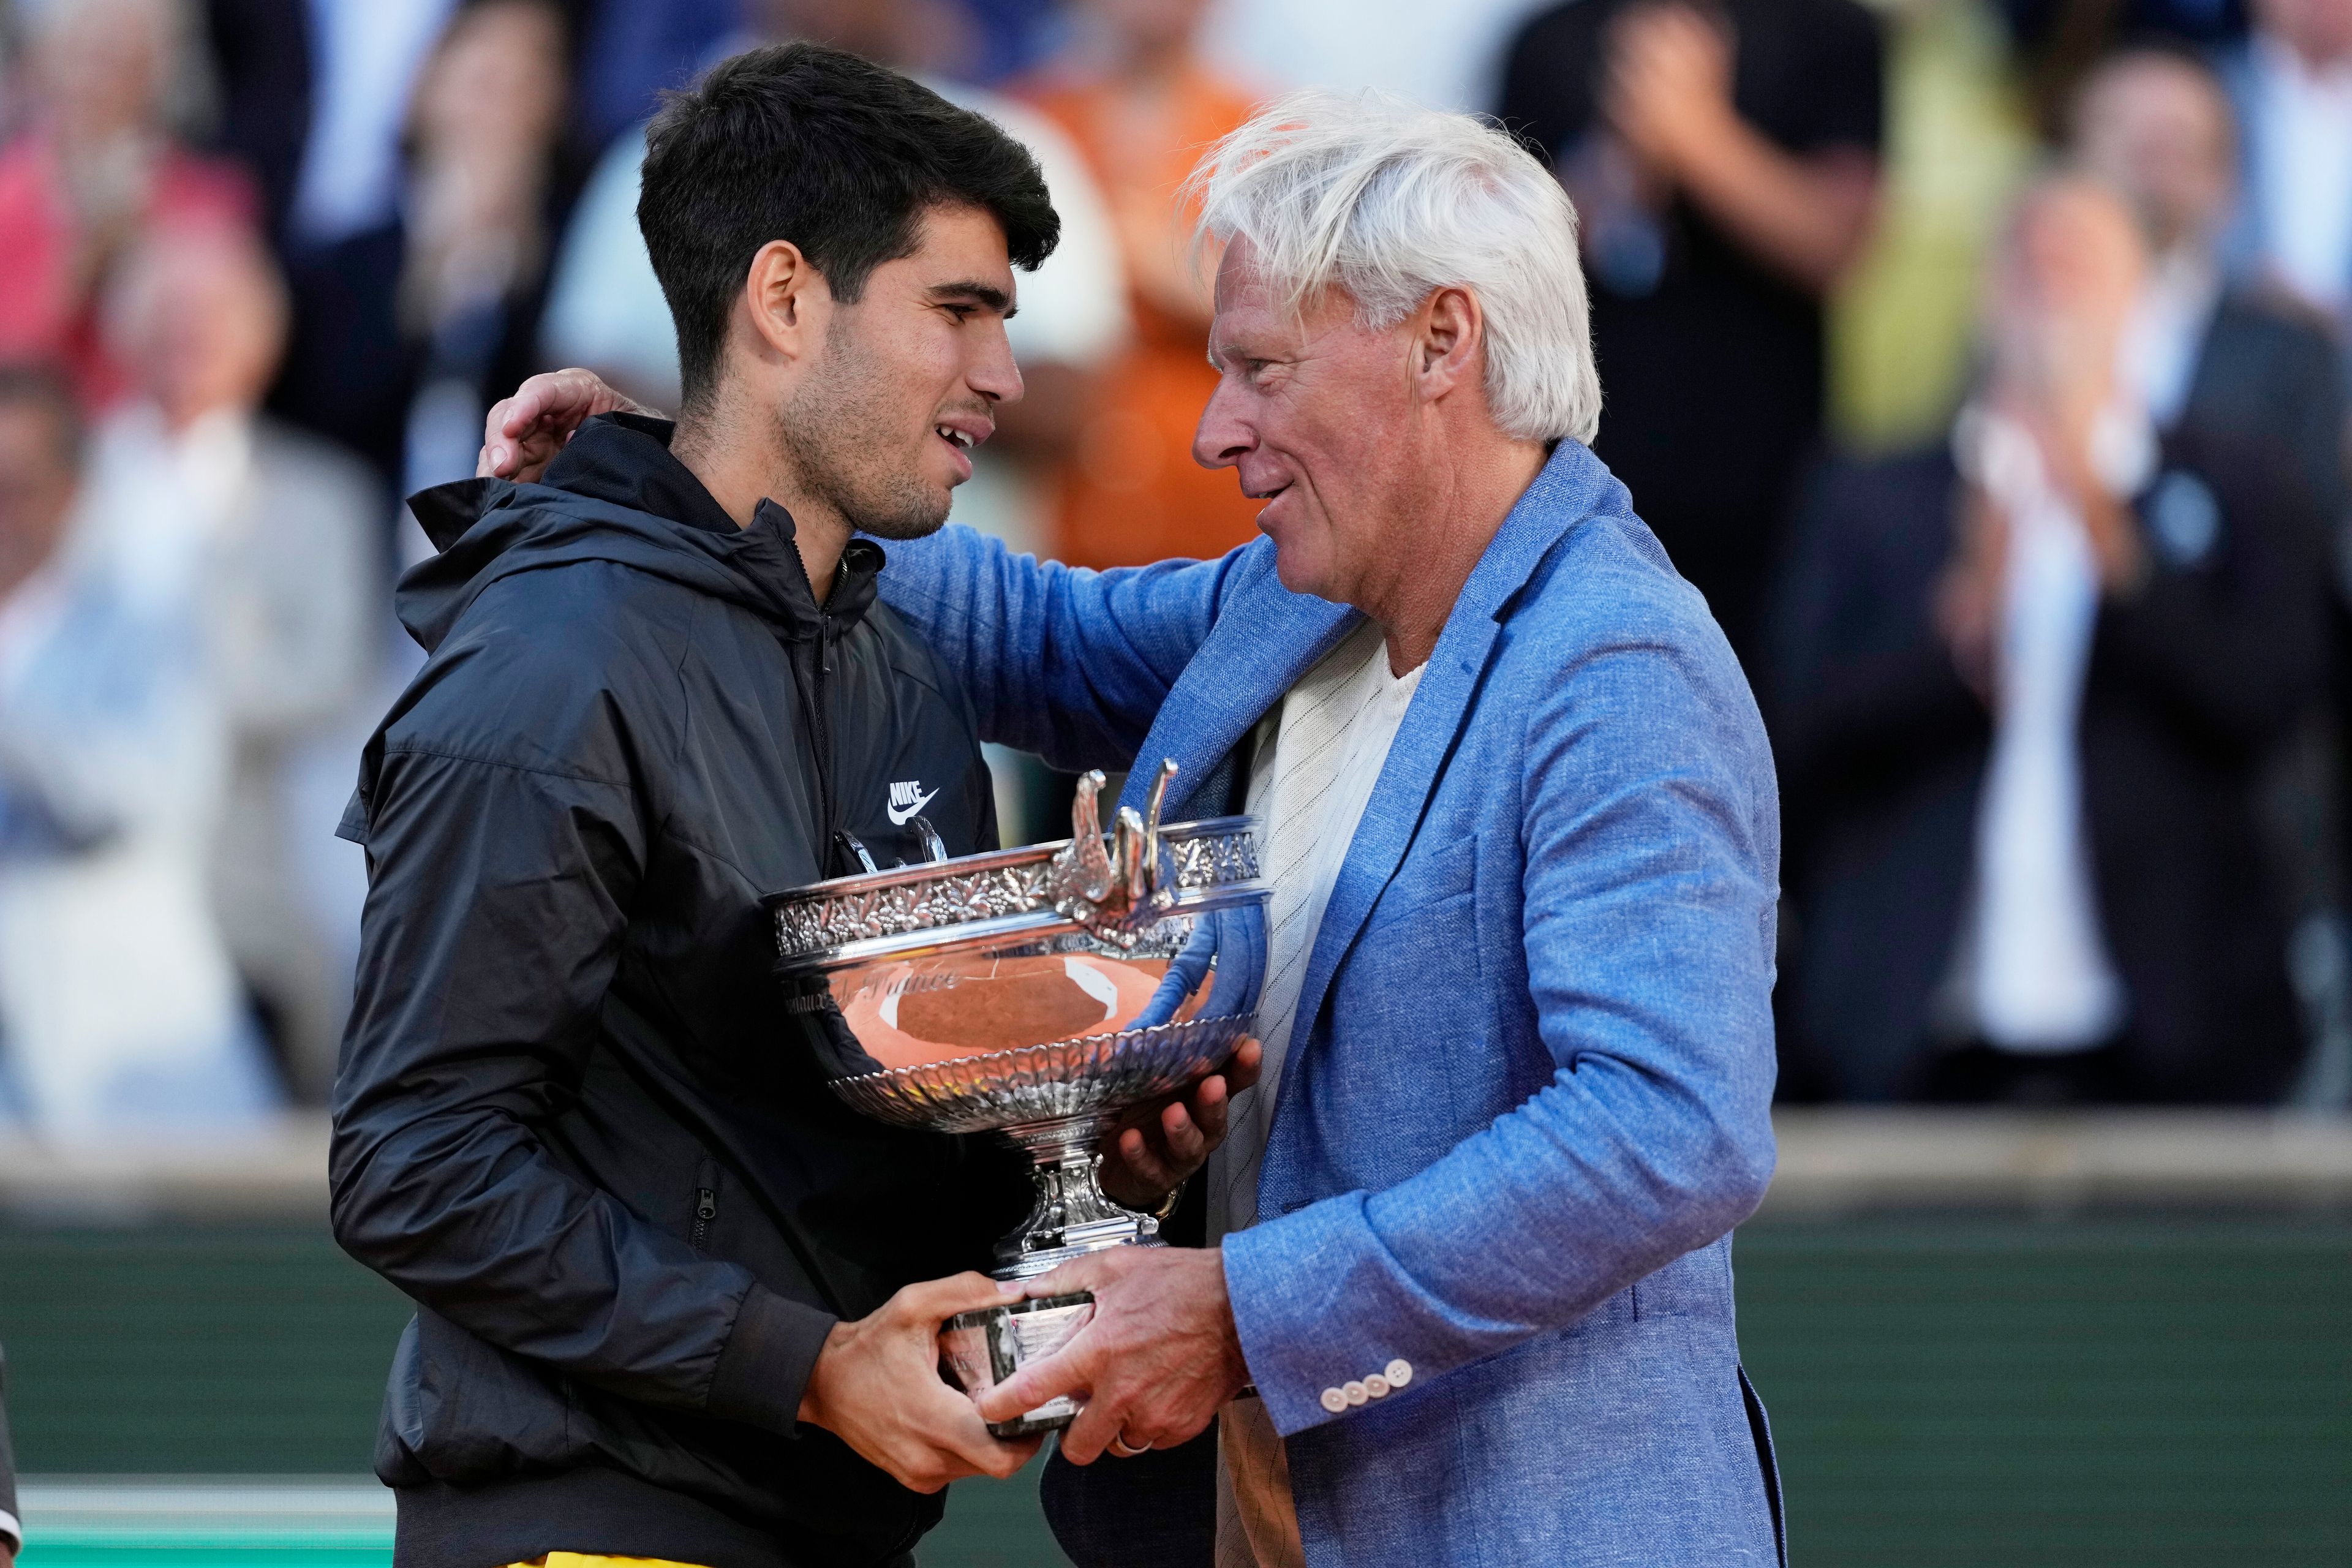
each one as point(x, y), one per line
point(1089, 873)
point(1117, 893)
point(1152, 816)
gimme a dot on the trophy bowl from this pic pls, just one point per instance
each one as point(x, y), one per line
point(1040, 995)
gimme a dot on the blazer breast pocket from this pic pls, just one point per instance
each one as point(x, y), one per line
point(1427, 879)
point(1422, 936)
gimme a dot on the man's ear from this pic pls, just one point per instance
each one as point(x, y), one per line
point(785, 300)
point(1449, 343)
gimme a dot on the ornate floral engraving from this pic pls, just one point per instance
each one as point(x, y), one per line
point(1214, 860)
point(814, 922)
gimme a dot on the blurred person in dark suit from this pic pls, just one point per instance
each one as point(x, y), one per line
point(118, 1006)
point(259, 56)
point(270, 535)
point(490, 180)
point(348, 374)
point(2026, 686)
point(1724, 161)
point(2240, 358)
point(632, 50)
point(97, 163)
point(2245, 358)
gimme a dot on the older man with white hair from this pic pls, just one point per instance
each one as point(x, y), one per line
point(1470, 1294)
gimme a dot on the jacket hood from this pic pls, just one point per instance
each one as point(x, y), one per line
point(616, 494)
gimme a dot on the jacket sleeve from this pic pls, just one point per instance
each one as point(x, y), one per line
point(494, 920)
point(1651, 839)
point(1068, 663)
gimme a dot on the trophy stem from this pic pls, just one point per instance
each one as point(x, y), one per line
point(1073, 1215)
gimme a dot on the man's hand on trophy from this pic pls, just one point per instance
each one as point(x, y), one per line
point(876, 1386)
point(1160, 1145)
point(524, 432)
point(1156, 1361)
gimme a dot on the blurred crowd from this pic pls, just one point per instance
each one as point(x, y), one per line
point(1982, 361)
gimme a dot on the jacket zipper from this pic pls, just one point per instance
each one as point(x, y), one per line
point(823, 729)
point(705, 1202)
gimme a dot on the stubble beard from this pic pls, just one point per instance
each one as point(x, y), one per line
point(828, 430)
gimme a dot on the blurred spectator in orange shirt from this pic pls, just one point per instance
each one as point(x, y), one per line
point(1140, 106)
point(96, 162)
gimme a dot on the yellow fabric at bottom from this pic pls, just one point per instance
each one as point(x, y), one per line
point(590, 1560)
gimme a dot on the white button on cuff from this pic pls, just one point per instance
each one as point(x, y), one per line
point(1357, 1392)
point(1399, 1373)
point(1377, 1386)
point(1335, 1400)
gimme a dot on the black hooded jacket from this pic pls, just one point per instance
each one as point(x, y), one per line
point(573, 1121)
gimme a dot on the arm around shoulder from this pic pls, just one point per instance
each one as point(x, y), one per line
point(1070, 663)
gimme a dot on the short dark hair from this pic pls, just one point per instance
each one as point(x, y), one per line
point(40, 385)
point(2155, 49)
point(838, 155)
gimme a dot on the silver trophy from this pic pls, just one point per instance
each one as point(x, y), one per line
point(1041, 994)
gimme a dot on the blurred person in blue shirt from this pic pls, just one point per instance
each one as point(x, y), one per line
point(118, 1006)
point(2292, 81)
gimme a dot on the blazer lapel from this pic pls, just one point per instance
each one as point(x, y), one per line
point(1264, 640)
point(1566, 491)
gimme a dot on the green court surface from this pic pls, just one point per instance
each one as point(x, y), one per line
point(1971, 1390)
point(293, 1521)
point(273, 1551)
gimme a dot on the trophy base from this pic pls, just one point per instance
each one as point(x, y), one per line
point(1072, 1215)
point(1071, 1218)
point(983, 1347)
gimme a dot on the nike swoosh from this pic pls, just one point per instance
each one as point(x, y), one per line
point(899, 819)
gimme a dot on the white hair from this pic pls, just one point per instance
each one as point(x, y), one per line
point(1387, 201)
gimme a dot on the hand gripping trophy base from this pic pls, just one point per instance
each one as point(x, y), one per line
point(1071, 1218)
point(1178, 916)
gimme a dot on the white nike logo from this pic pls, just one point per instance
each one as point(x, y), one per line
point(905, 799)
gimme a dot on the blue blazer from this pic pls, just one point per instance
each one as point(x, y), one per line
point(1530, 1093)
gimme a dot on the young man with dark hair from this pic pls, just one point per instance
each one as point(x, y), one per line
point(653, 1257)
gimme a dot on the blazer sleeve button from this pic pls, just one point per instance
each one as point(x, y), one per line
point(1356, 1393)
point(1399, 1373)
point(1335, 1400)
point(1377, 1386)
